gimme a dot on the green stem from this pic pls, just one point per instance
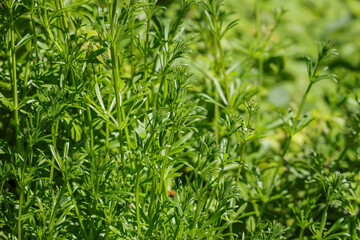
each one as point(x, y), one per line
point(179, 225)
point(62, 20)
point(94, 173)
point(137, 203)
point(21, 200)
point(242, 150)
point(302, 103)
point(91, 131)
point(261, 60)
point(152, 196)
point(116, 80)
point(16, 111)
point(222, 60)
point(287, 144)
point(216, 118)
point(216, 107)
point(76, 208)
point(34, 32)
point(107, 127)
point(301, 235)
point(149, 100)
point(108, 220)
point(14, 80)
point(54, 135)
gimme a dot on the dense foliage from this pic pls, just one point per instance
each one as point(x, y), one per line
point(191, 119)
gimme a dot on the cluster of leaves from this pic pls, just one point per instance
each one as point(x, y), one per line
point(133, 120)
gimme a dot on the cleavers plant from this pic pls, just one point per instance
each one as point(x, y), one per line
point(136, 119)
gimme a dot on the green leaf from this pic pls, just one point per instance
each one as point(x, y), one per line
point(219, 90)
point(98, 95)
point(23, 41)
point(211, 100)
point(6, 102)
point(229, 26)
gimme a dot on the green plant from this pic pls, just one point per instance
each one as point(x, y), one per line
point(150, 120)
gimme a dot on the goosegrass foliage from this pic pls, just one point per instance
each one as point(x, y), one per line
point(106, 106)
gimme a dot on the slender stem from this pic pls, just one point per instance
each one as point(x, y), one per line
point(301, 235)
point(287, 143)
point(109, 219)
point(179, 225)
point(222, 62)
point(146, 62)
point(107, 127)
point(21, 200)
point(76, 208)
point(62, 20)
point(16, 112)
point(216, 118)
point(91, 131)
point(54, 130)
point(14, 79)
point(152, 196)
point(137, 202)
point(221, 56)
point(116, 76)
point(94, 174)
point(260, 60)
point(34, 32)
point(303, 101)
point(242, 150)
point(216, 107)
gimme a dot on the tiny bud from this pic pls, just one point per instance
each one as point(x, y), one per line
point(171, 193)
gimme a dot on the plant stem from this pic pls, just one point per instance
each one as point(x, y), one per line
point(241, 162)
point(261, 60)
point(91, 131)
point(14, 79)
point(137, 202)
point(109, 219)
point(54, 129)
point(301, 236)
point(301, 106)
point(34, 32)
point(222, 60)
point(76, 208)
point(152, 196)
point(242, 150)
point(116, 76)
point(16, 112)
point(287, 143)
point(107, 127)
point(145, 62)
